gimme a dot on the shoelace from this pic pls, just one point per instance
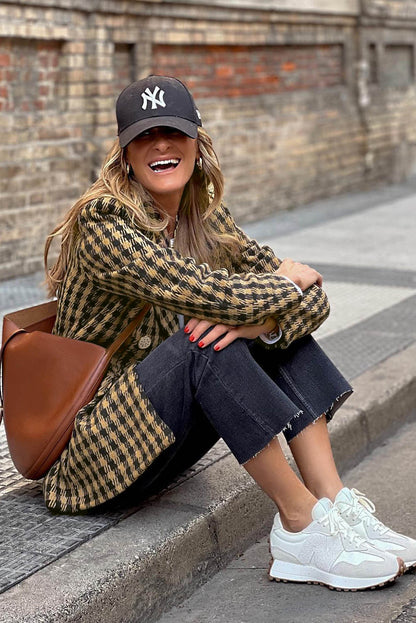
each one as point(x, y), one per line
point(364, 509)
point(338, 525)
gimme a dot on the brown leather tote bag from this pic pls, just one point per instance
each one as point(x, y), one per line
point(47, 379)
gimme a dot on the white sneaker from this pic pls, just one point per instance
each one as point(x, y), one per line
point(329, 552)
point(358, 511)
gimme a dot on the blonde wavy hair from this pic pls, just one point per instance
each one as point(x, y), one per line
point(195, 238)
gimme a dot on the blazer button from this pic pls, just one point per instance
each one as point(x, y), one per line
point(145, 341)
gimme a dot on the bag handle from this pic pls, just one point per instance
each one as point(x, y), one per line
point(111, 350)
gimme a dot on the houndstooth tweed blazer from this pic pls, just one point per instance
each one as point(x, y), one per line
point(114, 269)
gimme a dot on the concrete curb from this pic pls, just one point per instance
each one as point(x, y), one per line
point(141, 567)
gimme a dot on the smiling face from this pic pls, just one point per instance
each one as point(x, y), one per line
point(163, 160)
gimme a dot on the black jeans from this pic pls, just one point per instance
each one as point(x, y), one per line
point(245, 394)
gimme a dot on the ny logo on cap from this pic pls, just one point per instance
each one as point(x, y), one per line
point(155, 99)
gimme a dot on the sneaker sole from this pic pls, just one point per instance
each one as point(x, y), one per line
point(289, 572)
point(410, 565)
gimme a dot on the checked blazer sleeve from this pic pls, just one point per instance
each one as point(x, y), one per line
point(295, 323)
point(119, 258)
point(253, 257)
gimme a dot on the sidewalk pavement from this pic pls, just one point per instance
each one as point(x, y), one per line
point(131, 564)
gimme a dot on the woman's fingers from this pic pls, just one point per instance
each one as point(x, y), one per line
point(191, 324)
point(214, 334)
point(229, 337)
point(195, 328)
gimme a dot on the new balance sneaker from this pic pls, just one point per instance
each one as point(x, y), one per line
point(358, 511)
point(329, 552)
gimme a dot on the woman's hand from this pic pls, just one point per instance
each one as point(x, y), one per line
point(196, 327)
point(302, 274)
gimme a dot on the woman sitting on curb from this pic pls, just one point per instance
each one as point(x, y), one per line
point(225, 350)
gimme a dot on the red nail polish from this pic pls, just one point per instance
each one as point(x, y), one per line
point(192, 339)
point(216, 347)
point(201, 344)
point(187, 329)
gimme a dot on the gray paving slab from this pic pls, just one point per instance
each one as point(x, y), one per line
point(329, 209)
point(367, 275)
point(352, 303)
point(242, 593)
point(377, 237)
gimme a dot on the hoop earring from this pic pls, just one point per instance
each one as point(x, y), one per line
point(199, 162)
point(128, 169)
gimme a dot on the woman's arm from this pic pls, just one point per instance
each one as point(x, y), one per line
point(311, 313)
point(120, 259)
point(253, 257)
point(297, 322)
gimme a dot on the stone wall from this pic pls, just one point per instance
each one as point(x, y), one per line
point(304, 99)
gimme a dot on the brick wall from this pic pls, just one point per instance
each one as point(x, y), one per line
point(303, 99)
point(245, 71)
point(41, 148)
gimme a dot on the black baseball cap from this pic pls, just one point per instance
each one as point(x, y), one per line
point(156, 101)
